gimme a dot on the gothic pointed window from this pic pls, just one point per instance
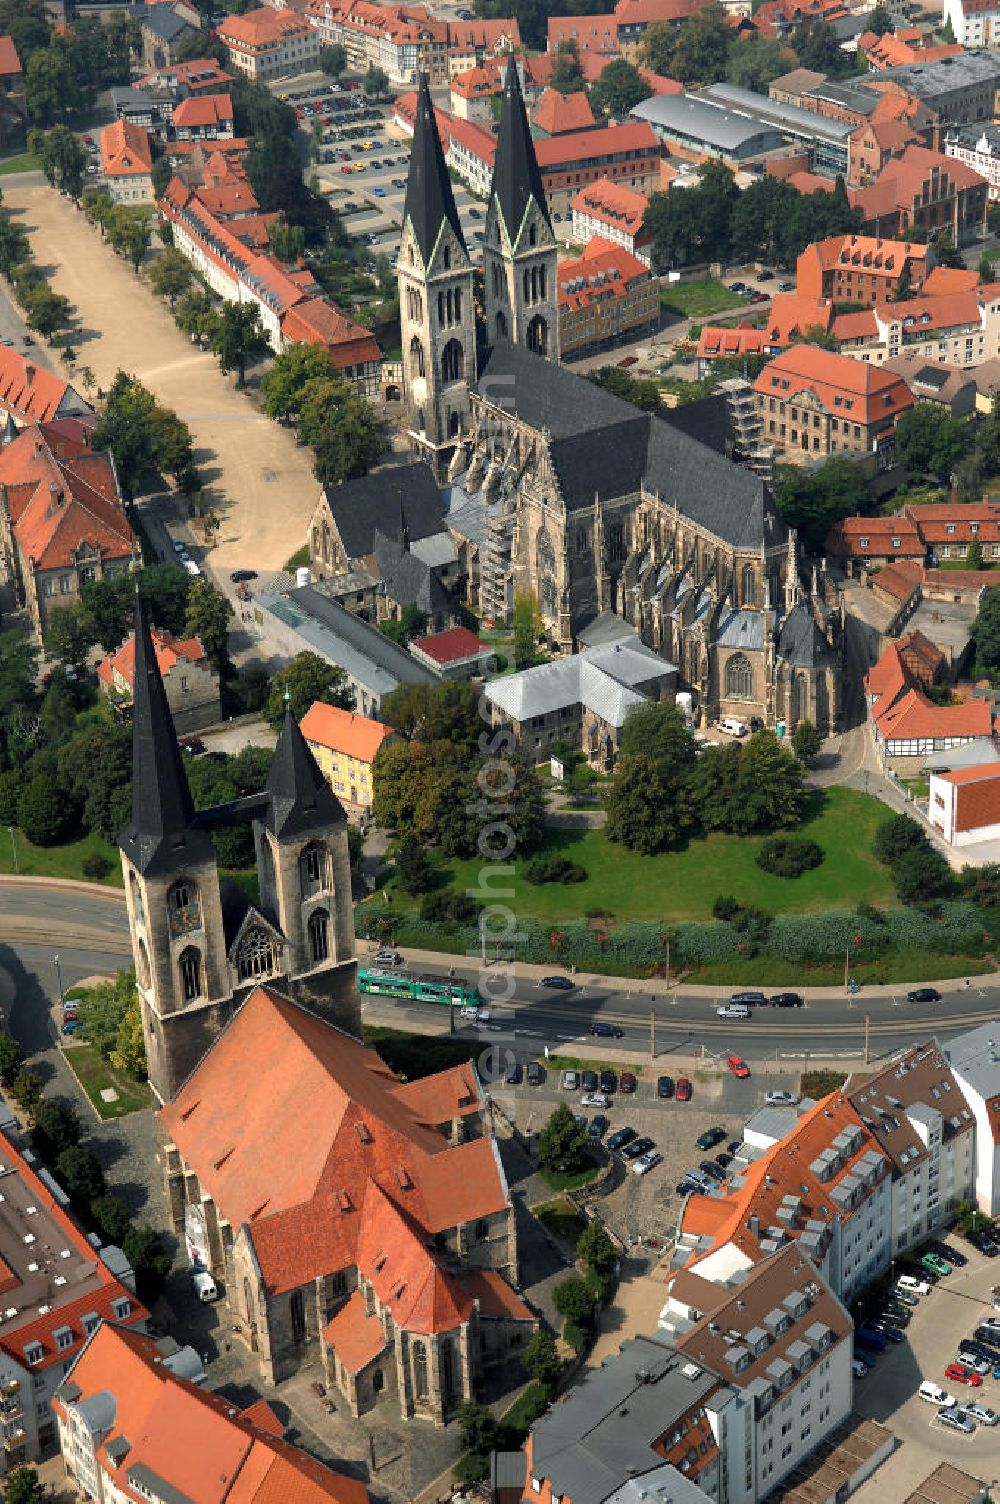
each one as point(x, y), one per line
point(416, 357)
point(313, 868)
point(452, 361)
point(538, 335)
point(527, 285)
point(441, 310)
point(420, 1370)
point(454, 426)
point(190, 974)
point(257, 955)
point(739, 678)
point(448, 1382)
point(319, 936)
point(458, 305)
point(748, 585)
point(533, 235)
point(183, 908)
point(297, 1308)
point(545, 553)
point(447, 258)
point(541, 281)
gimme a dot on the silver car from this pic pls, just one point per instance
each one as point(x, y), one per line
point(570, 1080)
point(983, 1414)
point(956, 1420)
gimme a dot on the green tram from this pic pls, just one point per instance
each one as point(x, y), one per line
point(407, 984)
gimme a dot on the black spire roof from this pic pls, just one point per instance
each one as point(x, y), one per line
point(301, 798)
point(160, 834)
point(516, 178)
point(429, 199)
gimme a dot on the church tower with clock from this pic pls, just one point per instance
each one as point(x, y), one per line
point(199, 943)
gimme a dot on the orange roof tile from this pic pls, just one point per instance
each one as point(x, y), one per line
point(844, 386)
point(27, 389)
point(614, 204)
point(343, 731)
point(902, 179)
point(494, 1295)
point(9, 60)
point(556, 152)
point(889, 678)
point(726, 343)
point(58, 504)
point(790, 315)
point(874, 537)
point(356, 1338)
point(589, 33)
point(203, 109)
point(125, 150)
point(558, 113)
point(262, 28)
point(169, 651)
point(914, 717)
point(899, 579)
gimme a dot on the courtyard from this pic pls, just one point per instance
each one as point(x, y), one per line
point(260, 481)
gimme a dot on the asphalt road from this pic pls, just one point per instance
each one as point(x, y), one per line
point(89, 930)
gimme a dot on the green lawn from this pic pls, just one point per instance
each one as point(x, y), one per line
point(95, 1075)
point(58, 861)
point(699, 298)
point(558, 1181)
point(26, 162)
point(561, 1218)
point(684, 884)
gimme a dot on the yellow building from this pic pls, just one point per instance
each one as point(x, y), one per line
point(344, 745)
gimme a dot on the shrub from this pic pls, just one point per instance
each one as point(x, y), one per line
point(550, 867)
point(788, 856)
point(725, 906)
point(95, 866)
point(576, 1335)
point(11, 789)
point(26, 1089)
point(11, 1059)
point(44, 813)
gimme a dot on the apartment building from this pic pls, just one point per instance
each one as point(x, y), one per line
point(974, 1058)
point(345, 746)
point(861, 269)
point(615, 213)
point(58, 1289)
point(927, 191)
point(958, 329)
point(976, 23)
point(956, 90)
point(190, 682)
point(604, 295)
point(874, 143)
point(127, 163)
point(979, 148)
point(269, 43)
point(812, 402)
point(405, 40)
point(627, 154)
point(914, 1107)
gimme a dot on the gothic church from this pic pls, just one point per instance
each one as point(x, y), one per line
point(590, 505)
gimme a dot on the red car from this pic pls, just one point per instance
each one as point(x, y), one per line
point(959, 1374)
point(738, 1066)
point(347, 169)
point(683, 1090)
point(627, 1082)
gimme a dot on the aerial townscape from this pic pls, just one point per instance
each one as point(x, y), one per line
point(499, 752)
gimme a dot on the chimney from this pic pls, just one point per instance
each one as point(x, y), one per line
point(29, 373)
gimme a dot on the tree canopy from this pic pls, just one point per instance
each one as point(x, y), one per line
point(307, 678)
point(929, 441)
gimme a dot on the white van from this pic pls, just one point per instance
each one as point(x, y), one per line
point(734, 1010)
point(733, 725)
point(915, 1286)
point(204, 1286)
point(934, 1394)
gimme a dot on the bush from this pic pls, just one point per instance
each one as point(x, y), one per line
point(95, 866)
point(44, 813)
point(11, 1059)
point(448, 907)
point(576, 1336)
point(26, 1089)
point(725, 907)
point(11, 789)
point(788, 856)
point(112, 1217)
point(550, 867)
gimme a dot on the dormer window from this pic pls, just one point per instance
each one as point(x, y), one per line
point(949, 527)
point(121, 1308)
point(33, 1353)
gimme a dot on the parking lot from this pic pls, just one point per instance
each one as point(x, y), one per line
point(888, 1393)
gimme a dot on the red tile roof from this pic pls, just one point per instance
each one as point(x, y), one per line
point(977, 796)
point(199, 75)
point(899, 579)
point(125, 150)
point(790, 315)
point(613, 203)
point(902, 179)
point(727, 342)
point(588, 33)
point(558, 113)
point(204, 109)
point(603, 272)
point(265, 27)
point(302, 1181)
point(9, 60)
point(356, 1338)
point(845, 538)
point(889, 678)
point(955, 522)
point(197, 1443)
point(168, 649)
point(847, 388)
point(57, 504)
point(343, 731)
point(558, 151)
point(646, 12)
point(27, 389)
point(914, 717)
point(868, 253)
point(851, 326)
point(454, 646)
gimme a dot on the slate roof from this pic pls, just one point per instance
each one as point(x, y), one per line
point(162, 21)
point(383, 502)
point(516, 178)
point(301, 798)
point(801, 643)
point(429, 199)
point(407, 578)
point(604, 447)
point(601, 678)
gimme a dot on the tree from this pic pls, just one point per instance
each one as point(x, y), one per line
point(695, 52)
point(142, 436)
point(412, 623)
point(818, 47)
point(150, 1259)
point(45, 311)
point(988, 439)
point(946, 253)
point(170, 275)
point(208, 615)
point(287, 241)
point(346, 434)
point(50, 87)
point(412, 867)
point(80, 1175)
point(95, 770)
point(11, 1059)
point(619, 88)
point(445, 712)
point(974, 555)
point(541, 1361)
point(69, 636)
point(772, 793)
point(376, 82)
point(640, 813)
point(527, 625)
point(879, 21)
point(596, 1249)
point(23, 1486)
point(112, 1217)
point(755, 61)
point(477, 1426)
point(921, 875)
point(291, 372)
point(642, 394)
point(812, 501)
point(658, 730)
point(11, 789)
point(306, 679)
point(160, 174)
point(562, 1143)
point(103, 1009)
point(895, 837)
point(806, 741)
point(930, 441)
point(15, 247)
point(333, 60)
point(165, 589)
point(26, 1089)
point(985, 632)
point(56, 1127)
point(18, 697)
point(567, 75)
point(62, 156)
point(237, 337)
point(573, 1300)
point(43, 812)
point(129, 1053)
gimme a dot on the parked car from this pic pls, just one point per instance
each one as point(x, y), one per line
point(786, 286)
point(982, 1414)
point(570, 1080)
point(191, 744)
point(636, 1147)
point(956, 1420)
point(627, 1083)
point(204, 1286)
point(388, 958)
point(665, 1088)
point(240, 576)
point(646, 1162)
point(723, 1159)
point(987, 1337)
point(609, 1082)
point(923, 995)
point(752, 999)
point(712, 1170)
point(598, 1126)
point(738, 1066)
point(858, 1369)
point(781, 1099)
point(935, 1263)
point(588, 1080)
point(949, 1254)
point(735, 1145)
point(702, 1181)
point(734, 1010)
point(787, 1000)
point(961, 1373)
point(534, 1073)
point(71, 1025)
point(934, 1394)
point(607, 1031)
point(975, 1349)
point(887, 1329)
point(512, 1075)
point(905, 1297)
point(866, 1336)
point(978, 1365)
point(621, 1137)
point(683, 1092)
point(710, 1138)
point(685, 1188)
point(868, 1359)
point(594, 1099)
point(562, 984)
point(913, 1285)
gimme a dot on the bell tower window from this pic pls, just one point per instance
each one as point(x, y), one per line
point(319, 936)
point(190, 973)
point(257, 955)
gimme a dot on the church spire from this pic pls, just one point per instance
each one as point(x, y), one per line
point(159, 833)
point(429, 199)
point(301, 798)
point(516, 178)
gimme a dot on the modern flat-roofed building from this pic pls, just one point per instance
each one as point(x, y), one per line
point(957, 90)
point(825, 141)
point(975, 1061)
point(690, 126)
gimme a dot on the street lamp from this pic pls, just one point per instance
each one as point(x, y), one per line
point(13, 844)
point(58, 976)
point(854, 940)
